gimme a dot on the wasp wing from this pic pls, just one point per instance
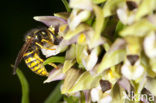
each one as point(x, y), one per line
point(20, 54)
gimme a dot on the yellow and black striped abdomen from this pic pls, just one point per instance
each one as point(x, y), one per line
point(35, 63)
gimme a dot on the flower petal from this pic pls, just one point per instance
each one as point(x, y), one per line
point(134, 45)
point(139, 29)
point(79, 29)
point(90, 61)
point(153, 64)
point(124, 83)
point(151, 85)
point(54, 75)
point(71, 76)
point(150, 45)
point(63, 15)
point(81, 51)
point(87, 96)
point(98, 1)
point(67, 65)
point(125, 16)
point(81, 4)
point(85, 81)
point(145, 8)
point(117, 94)
point(110, 7)
point(132, 72)
point(115, 55)
point(48, 52)
point(99, 21)
point(152, 20)
point(71, 53)
point(76, 17)
point(95, 94)
point(50, 20)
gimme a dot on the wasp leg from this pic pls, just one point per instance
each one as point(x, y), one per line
point(43, 46)
point(43, 40)
point(38, 58)
point(53, 65)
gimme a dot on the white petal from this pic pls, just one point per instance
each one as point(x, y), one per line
point(106, 99)
point(50, 20)
point(55, 75)
point(122, 15)
point(91, 41)
point(132, 74)
point(150, 45)
point(81, 4)
point(95, 94)
point(91, 60)
point(76, 18)
point(139, 71)
point(125, 16)
point(49, 53)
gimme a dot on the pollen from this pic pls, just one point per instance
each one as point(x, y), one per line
point(62, 28)
point(111, 74)
point(81, 38)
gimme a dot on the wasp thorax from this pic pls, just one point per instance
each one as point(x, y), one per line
point(44, 36)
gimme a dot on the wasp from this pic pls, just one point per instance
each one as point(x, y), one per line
point(35, 40)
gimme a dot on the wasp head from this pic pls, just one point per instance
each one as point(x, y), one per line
point(42, 36)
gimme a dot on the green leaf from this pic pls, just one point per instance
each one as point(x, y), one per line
point(140, 29)
point(85, 81)
point(98, 1)
point(66, 5)
point(55, 95)
point(56, 59)
point(146, 7)
point(25, 86)
point(111, 6)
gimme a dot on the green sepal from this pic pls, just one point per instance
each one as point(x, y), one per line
point(56, 59)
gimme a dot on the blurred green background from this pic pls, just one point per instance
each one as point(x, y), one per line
point(16, 20)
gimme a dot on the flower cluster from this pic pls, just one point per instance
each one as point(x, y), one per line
point(110, 49)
